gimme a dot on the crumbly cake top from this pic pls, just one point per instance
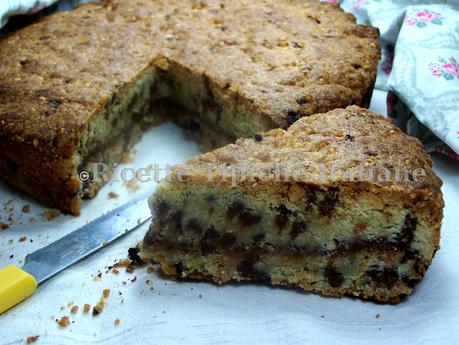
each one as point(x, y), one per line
point(290, 58)
point(339, 146)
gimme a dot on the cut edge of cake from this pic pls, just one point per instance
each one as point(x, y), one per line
point(332, 235)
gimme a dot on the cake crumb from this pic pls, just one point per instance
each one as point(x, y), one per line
point(4, 226)
point(132, 185)
point(117, 322)
point(377, 316)
point(199, 296)
point(32, 339)
point(106, 293)
point(150, 269)
point(51, 214)
point(74, 309)
point(86, 308)
point(64, 321)
point(26, 208)
point(23, 239)
point(99, 307)
point(113, 195)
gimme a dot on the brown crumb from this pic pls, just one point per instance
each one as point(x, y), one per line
point(26, 208)
point(74, 309)
point(115, 271)
point(23, 239)
point(4, 226)
point(98, 307)
point(86, 308)
point(106, 293)
point(377, 316)
point(150, 269)
point(51, 214)
point(117, 322)
point(32, 339)
point(132, 185)
point(113, 195)
point(64, 321)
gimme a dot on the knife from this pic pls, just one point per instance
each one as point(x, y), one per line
point(17, 284)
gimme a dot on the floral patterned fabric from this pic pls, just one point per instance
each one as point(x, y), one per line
point(419, 67)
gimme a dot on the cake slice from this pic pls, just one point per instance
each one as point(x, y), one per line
point(341, 203)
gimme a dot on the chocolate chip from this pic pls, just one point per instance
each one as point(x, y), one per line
point(349, 137)
point(24, 62)
point(133, 254)
point(248, 270)
point(302, 100)
point(298, 228)
point(227, 239)
point(292, 117)
point(387, 276)
point(191, 125)
point(194, 225)
point(235, 209)
point(55, 103)
point(179, 269)
point(209, 241)
point(176, 218)
point(259, 237)
point(45, 113)
point(282, 218)
point(408, 229)
point(356, 65)
point(296, 45)
point(249, 217)
point(327, 204)
point(12, 165)
point(334, 278)
point(258, 137)
point(162, 206)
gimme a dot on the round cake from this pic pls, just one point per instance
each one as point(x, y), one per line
point(80, 87)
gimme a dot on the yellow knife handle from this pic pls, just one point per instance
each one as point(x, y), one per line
point(15, 286)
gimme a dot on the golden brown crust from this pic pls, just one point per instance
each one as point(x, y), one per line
point(328, 146)
point(286, 59)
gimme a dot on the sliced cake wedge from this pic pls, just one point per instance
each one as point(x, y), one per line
point(341, 203)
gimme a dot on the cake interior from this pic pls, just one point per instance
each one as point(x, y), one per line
point(163, 93)
point(367, 243)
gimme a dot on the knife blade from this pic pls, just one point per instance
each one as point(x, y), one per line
point(17, 284)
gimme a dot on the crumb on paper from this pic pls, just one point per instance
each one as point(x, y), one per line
point(132, 185)
point(199, 296)
point(86, 308)
point(26, 208)
point(32, 339)
point(74, 309)
point(377, 316)
point(106, 293)
point(64, 321)
point(23, 239)
point(117, 322)
point(113, 195)
point(97, 309)
point(4, 226)
point(150, 269)
point(31, 220)
point(51, 214)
